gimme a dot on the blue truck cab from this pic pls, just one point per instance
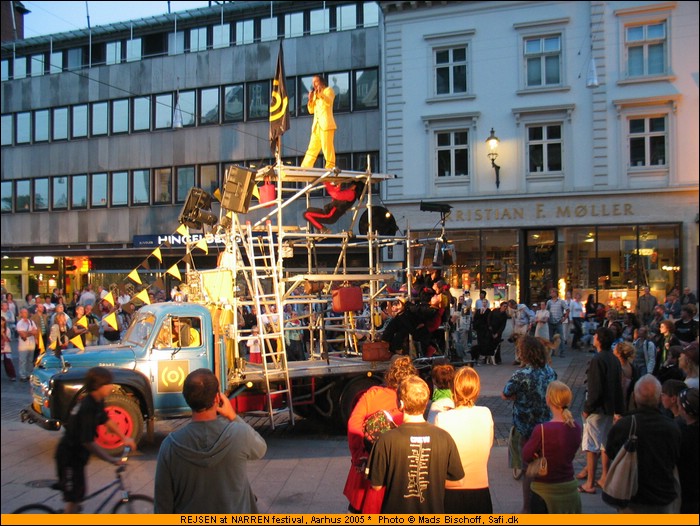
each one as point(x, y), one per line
point(163, 344)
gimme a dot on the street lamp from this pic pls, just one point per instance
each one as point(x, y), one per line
point(493, 141)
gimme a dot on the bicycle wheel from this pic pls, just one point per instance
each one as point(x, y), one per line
point(35, 508)
point(140, 504)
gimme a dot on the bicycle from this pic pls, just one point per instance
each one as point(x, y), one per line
point(128, 503)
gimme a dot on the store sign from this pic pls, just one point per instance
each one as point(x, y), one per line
point(175, 240)
point(544, 211)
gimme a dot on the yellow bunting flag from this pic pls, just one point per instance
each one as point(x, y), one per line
point(183, 230)
point(42, 349)
point(134, 276)
point(217, 195)
point(78, 342)
point(174, 272)
point(52, 345)
point(111, 319)
point(203, 245)
point(109, 298)
point(83, 322)
point(256, 192)
point(156, 253)
point(143, 296)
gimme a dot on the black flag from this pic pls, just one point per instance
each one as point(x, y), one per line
point(279, 104)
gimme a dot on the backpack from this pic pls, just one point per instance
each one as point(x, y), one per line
point(375, 425)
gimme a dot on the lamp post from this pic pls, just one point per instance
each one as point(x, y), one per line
point(493, 141)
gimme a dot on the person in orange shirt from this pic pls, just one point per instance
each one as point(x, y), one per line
point(323, 128)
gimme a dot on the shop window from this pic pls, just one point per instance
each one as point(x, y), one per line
point(98, 190)
point(141, 187)
point(41, 194)
point(79, 191)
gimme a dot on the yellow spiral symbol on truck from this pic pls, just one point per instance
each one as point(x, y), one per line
point(170, 376)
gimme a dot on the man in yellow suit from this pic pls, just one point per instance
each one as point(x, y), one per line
point(323, 128)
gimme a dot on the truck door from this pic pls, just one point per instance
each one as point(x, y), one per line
point(180, 348)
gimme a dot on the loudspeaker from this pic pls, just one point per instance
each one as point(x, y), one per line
point(238, 189)
point(197, 209)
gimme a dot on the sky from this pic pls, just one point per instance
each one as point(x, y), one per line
point(56, 17)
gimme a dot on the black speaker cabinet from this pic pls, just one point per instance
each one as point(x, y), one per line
point(238, 189)
point(197, 209)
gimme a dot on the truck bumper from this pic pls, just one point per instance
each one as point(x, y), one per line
point(29, 415)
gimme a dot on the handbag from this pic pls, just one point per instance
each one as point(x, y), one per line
point(622, 483)
point(538, 467)
point(375, 425)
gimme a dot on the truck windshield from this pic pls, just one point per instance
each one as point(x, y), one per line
point(140, 329)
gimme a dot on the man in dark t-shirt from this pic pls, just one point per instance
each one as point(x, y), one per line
point(414, 460)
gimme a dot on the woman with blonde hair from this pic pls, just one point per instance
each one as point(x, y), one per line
point(471, 427)
point(626, 352)
point(558, 441)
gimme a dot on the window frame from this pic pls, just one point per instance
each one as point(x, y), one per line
point(451, 123)
point(439, 42)
point(545, 142)
point(542, 29)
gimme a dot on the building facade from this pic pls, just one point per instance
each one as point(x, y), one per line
point(594, 183)
point(105, 131)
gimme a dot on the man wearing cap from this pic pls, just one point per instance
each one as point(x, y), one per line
point(658, 450)
point(688, 467)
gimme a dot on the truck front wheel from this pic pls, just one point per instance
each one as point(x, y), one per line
point(126, 413)
point(351, 393)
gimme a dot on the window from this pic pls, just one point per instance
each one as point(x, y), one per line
point(305, 85)
point(451, 70)
point(544, 147)
point(142, 114)
point(187, 104)
point(24, 197)
point(56, 62)
point(60, 124)
point(347, 17)
point(319, 21)
point(59, 193)
point(141, 185)
point(176, 43)
point(163, 111)
point(208, 178)
point(114, 53)
point(41, 125)
point(98, 190)
point(293, 25)
point(543, 61)
point(120, 116)
point(452, 153)
point(19, 70)
point(268, 29)
point(120, 189)
point(366, 93)
point(4, 70)
point(340, 82)
point(6, 130)
point(133, 50)
point(258, 99)
point(37, 67)
point(24, 127)
point(41, 194)
point(198, 39)
point(209, 106)
point(6, 196)
point(646, 49)
point(221, 36)
point(79, 192)
point(234, 103)
point(100, 118)
point(162, 186)
point(647, 141)
point(74, 58)
point(370, 14)
point(245, 32)
point(80, 121)
point(184, 181)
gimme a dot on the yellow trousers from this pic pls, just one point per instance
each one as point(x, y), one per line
point(320, 141)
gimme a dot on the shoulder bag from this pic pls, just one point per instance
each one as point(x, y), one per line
point(538, 467)
point(621, 484)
